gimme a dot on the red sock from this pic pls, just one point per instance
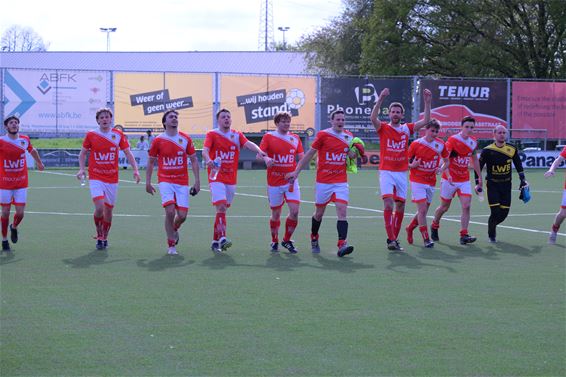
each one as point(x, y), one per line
point(555, 228)
point(170, 243)
point(413, 224)
point(274, 226)
point(5, 221)
point(398, 222)
point(17, 220)
point(314, 237)
point(220, 226)
point(290, 226)
point(341, 243)
point(424, 231)
point(436, 225)
point(98, 226)
point(387, 217)
point(106, 229)
point(463, 232)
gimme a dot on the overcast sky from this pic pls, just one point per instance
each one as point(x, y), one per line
point(164, 25)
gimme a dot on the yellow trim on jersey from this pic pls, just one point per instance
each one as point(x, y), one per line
point(506, 149)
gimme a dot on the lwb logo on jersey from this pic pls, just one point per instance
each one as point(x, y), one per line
point(102, 157)
point(338, 157)
point(284, 158)
point(396, 145)
point(173, 161)
point(14, 165)
point(229, 156)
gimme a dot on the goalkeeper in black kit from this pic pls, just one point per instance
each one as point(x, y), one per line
point(498, 157)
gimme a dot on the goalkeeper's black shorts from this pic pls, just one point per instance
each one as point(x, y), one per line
point(499, 193)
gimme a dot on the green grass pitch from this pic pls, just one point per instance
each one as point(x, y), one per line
point(477, 310)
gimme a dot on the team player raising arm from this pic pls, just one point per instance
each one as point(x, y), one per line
point(393, 163)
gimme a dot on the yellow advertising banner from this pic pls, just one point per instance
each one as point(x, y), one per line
point(141, 99)
point(253, 101)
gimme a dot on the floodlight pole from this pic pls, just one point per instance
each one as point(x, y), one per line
point(284, 29)
point(108, 30)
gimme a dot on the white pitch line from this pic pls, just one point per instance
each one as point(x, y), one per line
point(368, 209)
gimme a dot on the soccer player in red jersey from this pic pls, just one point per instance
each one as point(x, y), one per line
point(333, 148)
point(104, 145)
point(425, 155)
point(461, 150)
point(393, 163)
point(14, 177)
point(561, 215)
point(171, 150)
point(282, 147)
point(225, 143)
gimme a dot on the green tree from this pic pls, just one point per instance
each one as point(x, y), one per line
point(484, 38)
point(336, 48)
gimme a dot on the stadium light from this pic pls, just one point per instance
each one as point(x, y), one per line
point(284, 29)
point(108, 30)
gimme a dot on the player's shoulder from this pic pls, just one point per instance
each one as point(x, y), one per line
point(185, 135)
point(25, 137)
point(351, 135)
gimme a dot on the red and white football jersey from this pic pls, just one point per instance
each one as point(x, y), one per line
point(104, 148)
point(393, 145)
point(227, 147)
point(14, 169)
point(563, 154)
point(332, 150)
point(430, 155)
point(282, 149)
point(460, 152)
point(172, 157)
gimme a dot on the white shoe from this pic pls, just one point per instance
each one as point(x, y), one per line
point(172, 251)
point(215, 246)
point(552, 238)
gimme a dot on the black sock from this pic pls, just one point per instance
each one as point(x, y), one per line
point(315, 226)
point(342, 227)
point(493, 221)
point(503, 212)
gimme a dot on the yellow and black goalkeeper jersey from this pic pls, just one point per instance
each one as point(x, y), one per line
point(498, 162)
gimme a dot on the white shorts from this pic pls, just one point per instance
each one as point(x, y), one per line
point(393, 184)
point(222, 193)
point(331, 192)
point(172, 193)
point(102, 190)
point(421, 192)
point(278, 195)
point(449, 190)
point(563, 205)
point(18, 197)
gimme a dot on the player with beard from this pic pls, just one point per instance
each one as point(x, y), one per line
point(172, 150)
point(393, 163)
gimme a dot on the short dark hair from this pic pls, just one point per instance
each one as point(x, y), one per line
point(281, 115)
point(165, 116)
point(10, 118)
point(339, 111)
point(434, 123)
point(104, 110)
point(397, 104)
point(468, 119)
point(223, 110)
